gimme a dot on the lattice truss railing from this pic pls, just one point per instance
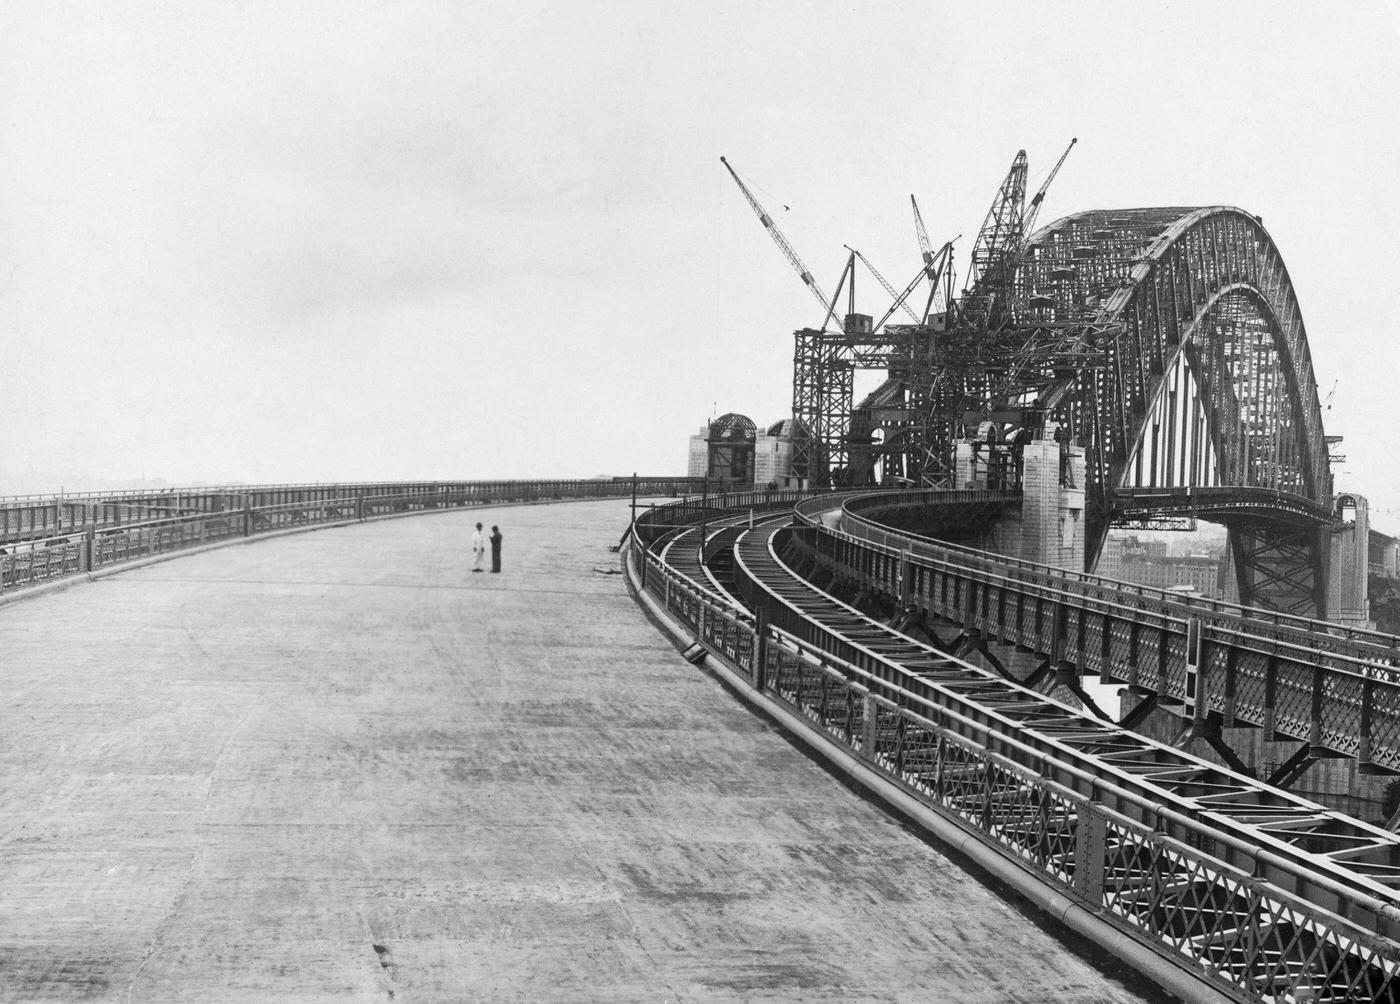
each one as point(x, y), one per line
point(1335, 688)
point(1256, 941)
point(974, 750)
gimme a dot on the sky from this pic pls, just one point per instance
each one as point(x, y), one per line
point(268, 242)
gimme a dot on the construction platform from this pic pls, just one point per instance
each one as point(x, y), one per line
point(342, 766)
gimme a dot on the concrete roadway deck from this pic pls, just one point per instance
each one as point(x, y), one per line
point(340, 766)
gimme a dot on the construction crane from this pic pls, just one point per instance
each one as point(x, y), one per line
point(936, 265)
point(828, 304)
point(999, 240)
point(1028, 227)
point(897, 298)
point(925, 248)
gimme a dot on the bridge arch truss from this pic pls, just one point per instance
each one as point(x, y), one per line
point(1204, 378)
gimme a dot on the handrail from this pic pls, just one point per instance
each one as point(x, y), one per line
point(856, 524)
point(1179, 850)
point(1335, 689)
point(238, 488)
point(91, 543)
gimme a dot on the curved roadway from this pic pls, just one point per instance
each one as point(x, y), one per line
point(341, 766)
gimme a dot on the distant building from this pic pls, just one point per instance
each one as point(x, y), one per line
point(1199, 572)
point(1384, 581)
point(723, 451)
point(731, 450)
point(1110, 564)
point(1148, 562)
point(772, 454)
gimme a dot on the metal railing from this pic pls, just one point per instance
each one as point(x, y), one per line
point(39, 518)
point(854, 523)
point(97, 535)
point(1176, 884)
point(1334, 687)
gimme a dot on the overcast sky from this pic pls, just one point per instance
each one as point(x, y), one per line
point(293, 241)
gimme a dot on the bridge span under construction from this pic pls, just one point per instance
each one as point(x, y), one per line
point(338, 766)
point(285, 753)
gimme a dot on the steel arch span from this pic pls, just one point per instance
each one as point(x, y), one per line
point(1203, 380)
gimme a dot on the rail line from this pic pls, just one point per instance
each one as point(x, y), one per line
point(1269, 896)
point(1334, 688)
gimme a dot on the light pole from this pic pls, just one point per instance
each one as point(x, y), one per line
point(705, 494)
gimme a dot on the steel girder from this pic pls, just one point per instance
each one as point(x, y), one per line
point(1202, 292)
point(822, 387)
point(1280, 567)
point(1208, 282)
point(1168, 340)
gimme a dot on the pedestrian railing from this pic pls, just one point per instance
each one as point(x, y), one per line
point(1334, 687)
point(1176, 884)
point(100, 532)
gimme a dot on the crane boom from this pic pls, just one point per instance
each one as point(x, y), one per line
point(940, 292)
point(896, 297)
point(902, 297)
point(925, 247)
point(781, 241)
point(999, 241)
point(1034, 210)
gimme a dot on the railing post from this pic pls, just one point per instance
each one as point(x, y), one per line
point(1196, 701)
point(85, 550)
point(1319, 678)
point(1089, 846)
point(247, 516)
point(1368, 697)
point(760, 649)
point(868, 732)
point(1059, 626)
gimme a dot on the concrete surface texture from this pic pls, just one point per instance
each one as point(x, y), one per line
point(338, 766)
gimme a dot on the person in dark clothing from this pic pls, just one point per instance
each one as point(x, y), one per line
point(495, 548)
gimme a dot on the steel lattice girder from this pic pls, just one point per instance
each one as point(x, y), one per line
point(1110, 312)
point(1207, 283)
point(1279, 567)
point(821, 401)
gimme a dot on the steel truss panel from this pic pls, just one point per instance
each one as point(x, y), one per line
point(1267, 895)
point(1201, 288)
point(1168, 341)
point(1299, 678)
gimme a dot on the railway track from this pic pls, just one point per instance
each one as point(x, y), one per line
point(1276, 897)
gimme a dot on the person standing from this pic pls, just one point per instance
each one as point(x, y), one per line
point(495, 548)
point(478, 549)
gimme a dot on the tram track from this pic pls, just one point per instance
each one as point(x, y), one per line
point(1151, 773)
point(1278, 898)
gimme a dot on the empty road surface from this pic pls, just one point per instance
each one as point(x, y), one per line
point(341, 766)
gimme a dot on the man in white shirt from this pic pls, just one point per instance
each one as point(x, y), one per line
point(478, 548)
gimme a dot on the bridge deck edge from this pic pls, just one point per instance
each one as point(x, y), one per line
point(839, 760)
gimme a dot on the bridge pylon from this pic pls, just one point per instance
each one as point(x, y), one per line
point(1050, 471)
point(1348, 563)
